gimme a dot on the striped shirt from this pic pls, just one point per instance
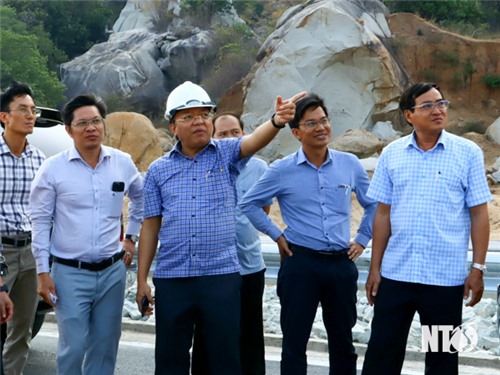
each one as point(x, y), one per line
point(196, 198)
point(16, 174)
point(430, 194)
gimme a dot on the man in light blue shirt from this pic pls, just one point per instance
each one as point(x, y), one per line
point(433, 195)
point(248, 246)
point(313, 187)
point(76, 204)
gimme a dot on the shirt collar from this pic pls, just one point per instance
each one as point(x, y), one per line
point(301, 157)
point(178, 146)
point(74, 154)
point(443, 140)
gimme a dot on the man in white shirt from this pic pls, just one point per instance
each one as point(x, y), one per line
point(79, 194)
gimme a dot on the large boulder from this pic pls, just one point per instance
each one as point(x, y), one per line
point(135, 134)
point(124, 68)
point(493, 131)
point(359, 142)
point(335, 49)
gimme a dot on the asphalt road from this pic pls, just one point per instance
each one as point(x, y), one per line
point(136, 356)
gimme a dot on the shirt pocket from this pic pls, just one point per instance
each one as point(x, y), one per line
point(341, 197)
point(115, 203)
point(447, 189)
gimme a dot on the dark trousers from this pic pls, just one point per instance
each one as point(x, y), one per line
point(395, 306)
point(304, 281)
point(212, 303)
point(252, 330)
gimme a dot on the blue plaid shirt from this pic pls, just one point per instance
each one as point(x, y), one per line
point(196, 198)
point(16, 174)
point(430, 194)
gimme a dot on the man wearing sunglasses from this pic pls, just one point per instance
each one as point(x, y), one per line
point(432, 193)
point(19, 162)
point(313, 187)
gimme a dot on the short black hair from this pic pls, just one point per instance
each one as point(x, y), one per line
point(228, 113)
point(302, 105)
point(13, 91)
point(407, 100)
point(82, 101)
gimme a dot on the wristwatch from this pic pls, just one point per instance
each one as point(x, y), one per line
point(132, 237)
point(275, 124)
point(4, 288)
point(480, 267)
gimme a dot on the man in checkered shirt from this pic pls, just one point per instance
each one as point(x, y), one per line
point(432, 194)
point(19, 162)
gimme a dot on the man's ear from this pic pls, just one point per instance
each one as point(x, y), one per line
point(3, 115)
point(296, 133)
point(69, 130)
point(408, 114)
point(172, 128)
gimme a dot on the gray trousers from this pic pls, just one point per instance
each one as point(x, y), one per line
point(89, 318)
point(22, 282)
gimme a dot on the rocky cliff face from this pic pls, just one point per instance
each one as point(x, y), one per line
point(455, 62)
point(332, 48)
point(143, 60)
point(351, 52)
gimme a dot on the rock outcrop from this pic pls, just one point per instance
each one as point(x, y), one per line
point(335, 49)
point(135, 134)
point(124, 68)
point(146, 56)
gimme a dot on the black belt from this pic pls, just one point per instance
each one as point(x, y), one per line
point(335, 254)
point(17, 242)
point(90, 266)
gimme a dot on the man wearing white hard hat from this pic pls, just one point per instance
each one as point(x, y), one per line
point(190, 200)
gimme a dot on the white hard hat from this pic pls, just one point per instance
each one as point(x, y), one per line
point(187, 95)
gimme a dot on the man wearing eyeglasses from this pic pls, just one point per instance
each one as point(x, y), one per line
point(190, 200)
point(432, 193)
point(76, 203)
point(19, 162)
point(313, 187)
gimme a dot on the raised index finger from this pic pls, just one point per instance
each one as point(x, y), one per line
point(298, 96)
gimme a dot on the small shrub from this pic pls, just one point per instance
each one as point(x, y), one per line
point(429, 75)
point(491, 80)
point(447, 57)
point(474, 126)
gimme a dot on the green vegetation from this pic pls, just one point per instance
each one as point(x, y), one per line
point(447, 57)
point(491, 80)
point(235, 55)
point(429, 75)
point(202, 11)
point(466, 17)
point(24, 58)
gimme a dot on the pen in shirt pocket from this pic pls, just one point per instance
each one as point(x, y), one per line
point(344, 186)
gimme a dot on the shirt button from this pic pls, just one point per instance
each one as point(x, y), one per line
point(193, 215)
point(194, 197)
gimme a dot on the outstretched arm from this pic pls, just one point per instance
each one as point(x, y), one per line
point(263, 134)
